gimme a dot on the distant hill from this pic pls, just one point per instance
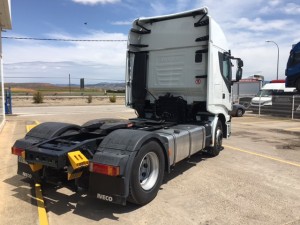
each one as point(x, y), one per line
point(30, 85)
point(106, 85)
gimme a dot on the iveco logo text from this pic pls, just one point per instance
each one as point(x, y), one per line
point(105, 197)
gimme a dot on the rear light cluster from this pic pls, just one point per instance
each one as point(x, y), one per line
point(105, 169)
point(17, 151)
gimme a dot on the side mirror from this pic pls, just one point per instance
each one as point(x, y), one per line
point(240, 63)
point(239, 74)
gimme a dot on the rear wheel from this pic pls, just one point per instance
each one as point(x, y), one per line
point(215, 150)
point(147, 173)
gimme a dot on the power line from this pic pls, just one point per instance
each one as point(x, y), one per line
point(61, 39)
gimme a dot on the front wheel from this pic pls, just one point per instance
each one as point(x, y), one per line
point(147, 173)
point(240, 113)
point(217, 147)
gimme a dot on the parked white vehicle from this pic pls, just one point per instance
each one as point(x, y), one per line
point(264, 97)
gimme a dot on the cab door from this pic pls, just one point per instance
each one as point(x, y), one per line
point(226, 72)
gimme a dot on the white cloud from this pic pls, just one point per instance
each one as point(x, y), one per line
point(158, 8)
point(95, 2)
point(275, 2)
point(246, 24)
point(102, 60)
point(227, 10)
point(260, 25)
point(280, 7)
point(58, 72)
point(161, 8)
point(122, 23)
point(182, 5)
point(102, 52)
point(292, 9)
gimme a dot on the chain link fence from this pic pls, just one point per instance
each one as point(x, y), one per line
point(284, 105)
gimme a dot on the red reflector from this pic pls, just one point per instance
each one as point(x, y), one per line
point(105, 169)
point(17, 151)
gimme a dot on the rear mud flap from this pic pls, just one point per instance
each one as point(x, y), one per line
point(107, 188)
point(25, 171)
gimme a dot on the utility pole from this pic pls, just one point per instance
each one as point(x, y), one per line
point(277, 55)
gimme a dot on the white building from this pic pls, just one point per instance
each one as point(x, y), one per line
point(5, 24)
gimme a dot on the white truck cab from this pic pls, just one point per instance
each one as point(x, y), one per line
point(182, 55)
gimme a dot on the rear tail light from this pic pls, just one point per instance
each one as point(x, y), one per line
point(17, 151)
point(105, 169)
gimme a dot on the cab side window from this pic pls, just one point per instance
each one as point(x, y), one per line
point(225, 68)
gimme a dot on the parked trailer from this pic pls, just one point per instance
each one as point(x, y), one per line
point(179, 81)
point(244, 90)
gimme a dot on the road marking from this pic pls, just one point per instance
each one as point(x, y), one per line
point(263, 156)
point(40, 114)
point(29, 127)
point(38, 191)
point(292, 129)
point(41, 206)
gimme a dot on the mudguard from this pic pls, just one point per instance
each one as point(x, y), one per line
point(119, 148)
point(50, 130)
point(43, 132)
point(38, 134)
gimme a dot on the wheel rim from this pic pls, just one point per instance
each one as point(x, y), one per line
point(239, 112)
point(148, 171)
point(219, 139)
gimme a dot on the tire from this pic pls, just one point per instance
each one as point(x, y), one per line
point(239, 112)
point(215, 150)
point(147, 173)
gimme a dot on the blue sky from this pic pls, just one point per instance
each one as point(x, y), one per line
point(247, 24)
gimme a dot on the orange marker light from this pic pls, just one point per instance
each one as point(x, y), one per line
point(105, 169)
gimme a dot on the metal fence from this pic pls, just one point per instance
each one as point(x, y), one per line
point(287, 106)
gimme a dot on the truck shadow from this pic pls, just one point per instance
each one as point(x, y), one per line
point(185, 165)
point(62, 201)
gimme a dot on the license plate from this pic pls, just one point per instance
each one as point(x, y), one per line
point(22, 160)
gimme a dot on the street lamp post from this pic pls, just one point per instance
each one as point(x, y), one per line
point(277, 55)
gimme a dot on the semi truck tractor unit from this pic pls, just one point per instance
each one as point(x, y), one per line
point(179, 82)
point(292, 71)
